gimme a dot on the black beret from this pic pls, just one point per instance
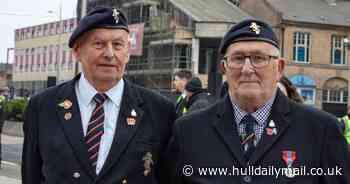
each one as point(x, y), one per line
point(100, 17)
point(249, 30)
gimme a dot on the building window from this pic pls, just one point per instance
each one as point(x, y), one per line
point(32, 62)
point(206, 56)
point(37, 31)
point(301, 47)
point(335, 90)
point(306, 87)
point(335, 96)
point(33, 32)
point(71, 25)
point(338, 50)
point(70, 60)
point(52, 28)
point(65, 26)
point(44, 60)
point(63, 59)
point(308, 95)
point(45, 30)
point(58, 28)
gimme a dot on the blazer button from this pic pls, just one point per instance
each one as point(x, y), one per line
point(124, 181)
point(76, 175)
point(247, 179)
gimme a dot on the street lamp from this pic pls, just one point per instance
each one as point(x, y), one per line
point(59, 50)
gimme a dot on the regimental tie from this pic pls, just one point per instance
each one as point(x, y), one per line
point(248, 140)
point(95, 128)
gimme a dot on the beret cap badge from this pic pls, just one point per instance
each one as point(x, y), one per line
point(116, 15)
point(255, 27)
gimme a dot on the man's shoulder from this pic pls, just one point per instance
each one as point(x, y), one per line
point(314, 116)
point(149, 95)
point(201, 117)
point(51, 93)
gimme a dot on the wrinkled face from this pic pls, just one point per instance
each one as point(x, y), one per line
point(103, 54)
point(249, 82)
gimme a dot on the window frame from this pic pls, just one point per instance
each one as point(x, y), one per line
point(301, 40)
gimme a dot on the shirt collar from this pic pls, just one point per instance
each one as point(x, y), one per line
point(260, 115)
point(87, 91)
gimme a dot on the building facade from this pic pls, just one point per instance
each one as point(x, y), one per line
point(314, 36)
point(5, 75)
point(42, 56)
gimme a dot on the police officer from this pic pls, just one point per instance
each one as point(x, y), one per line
point(97, 128)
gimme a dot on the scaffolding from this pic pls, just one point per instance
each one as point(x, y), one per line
point(167, 41)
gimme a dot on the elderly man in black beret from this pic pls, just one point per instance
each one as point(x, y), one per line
point(255, 134)
point(97, 128)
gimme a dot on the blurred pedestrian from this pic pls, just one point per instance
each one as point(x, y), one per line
point(196, 97)
point(181, 78)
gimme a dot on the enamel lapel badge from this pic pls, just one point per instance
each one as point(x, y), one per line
point(148, 162)
point(66, 104)
point(271, 129)
point(131, 120)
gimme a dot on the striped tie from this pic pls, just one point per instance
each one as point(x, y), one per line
point(248, 141)
point(95, 128)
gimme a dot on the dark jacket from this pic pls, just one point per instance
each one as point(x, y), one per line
point(209, 139)
point(54, 150)
point(198, 100)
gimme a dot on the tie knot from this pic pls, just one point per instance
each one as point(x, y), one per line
point(248, 119)
point(100, 98)
point(249, 122)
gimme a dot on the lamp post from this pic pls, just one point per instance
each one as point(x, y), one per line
point(59, 50)
point(82, 12)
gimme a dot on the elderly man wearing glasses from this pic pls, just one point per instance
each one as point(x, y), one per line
point(256, 134)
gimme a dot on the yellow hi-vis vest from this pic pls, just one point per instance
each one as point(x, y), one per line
point(346, 133)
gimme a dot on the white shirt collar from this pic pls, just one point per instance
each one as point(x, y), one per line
point(87, 91)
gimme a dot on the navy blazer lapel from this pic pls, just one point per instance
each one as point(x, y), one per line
point(227, 129)
point(131, 101)
point(72, 126)
point(278, 114)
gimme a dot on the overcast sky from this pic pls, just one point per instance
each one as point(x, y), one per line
point(16, 14)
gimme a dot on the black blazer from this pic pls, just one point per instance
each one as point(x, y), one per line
point(54, 150)
point(209, 138)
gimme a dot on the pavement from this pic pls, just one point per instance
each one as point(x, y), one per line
point(10, 172)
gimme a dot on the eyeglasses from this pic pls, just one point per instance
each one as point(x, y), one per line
point(257, 60)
